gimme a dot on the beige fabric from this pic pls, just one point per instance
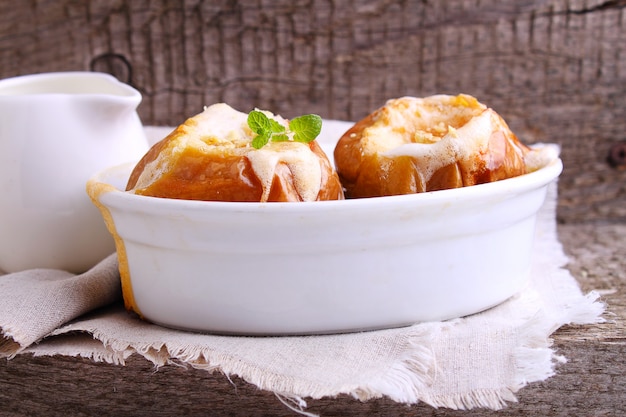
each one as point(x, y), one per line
point(477, 361)
point(34, 303)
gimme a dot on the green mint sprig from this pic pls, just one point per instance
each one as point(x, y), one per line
point(303, 129)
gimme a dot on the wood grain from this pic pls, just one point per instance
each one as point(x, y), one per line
point(591, 383)
point(555, 69)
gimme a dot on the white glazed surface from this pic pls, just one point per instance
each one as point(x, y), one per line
point(56, 131)
point(324, 267)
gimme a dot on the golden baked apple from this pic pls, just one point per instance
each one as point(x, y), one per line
point(217, 156)
point(412, 145)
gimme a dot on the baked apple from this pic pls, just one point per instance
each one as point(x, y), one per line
point(411, 145)
point(216, 156)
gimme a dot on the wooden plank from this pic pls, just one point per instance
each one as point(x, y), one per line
point(556, 70)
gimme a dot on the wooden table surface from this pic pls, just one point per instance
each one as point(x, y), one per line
point(591, 383)
point(554, 69)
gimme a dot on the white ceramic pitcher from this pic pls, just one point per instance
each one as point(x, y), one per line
point(56, 130)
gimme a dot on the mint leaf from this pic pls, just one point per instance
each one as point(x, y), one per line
point(260, 140)
point(280, 138)
point(303, 129)
point(259, 123)
point(306, 128)
point(276, 127)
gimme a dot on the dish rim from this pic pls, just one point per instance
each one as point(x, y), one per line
point(117, 197)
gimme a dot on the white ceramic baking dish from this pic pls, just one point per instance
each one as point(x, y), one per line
point(322, 267)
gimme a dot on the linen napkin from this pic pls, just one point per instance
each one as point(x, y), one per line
point(476, 361)
point(33, 303)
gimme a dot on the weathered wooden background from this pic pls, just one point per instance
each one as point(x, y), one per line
point(555, 69)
